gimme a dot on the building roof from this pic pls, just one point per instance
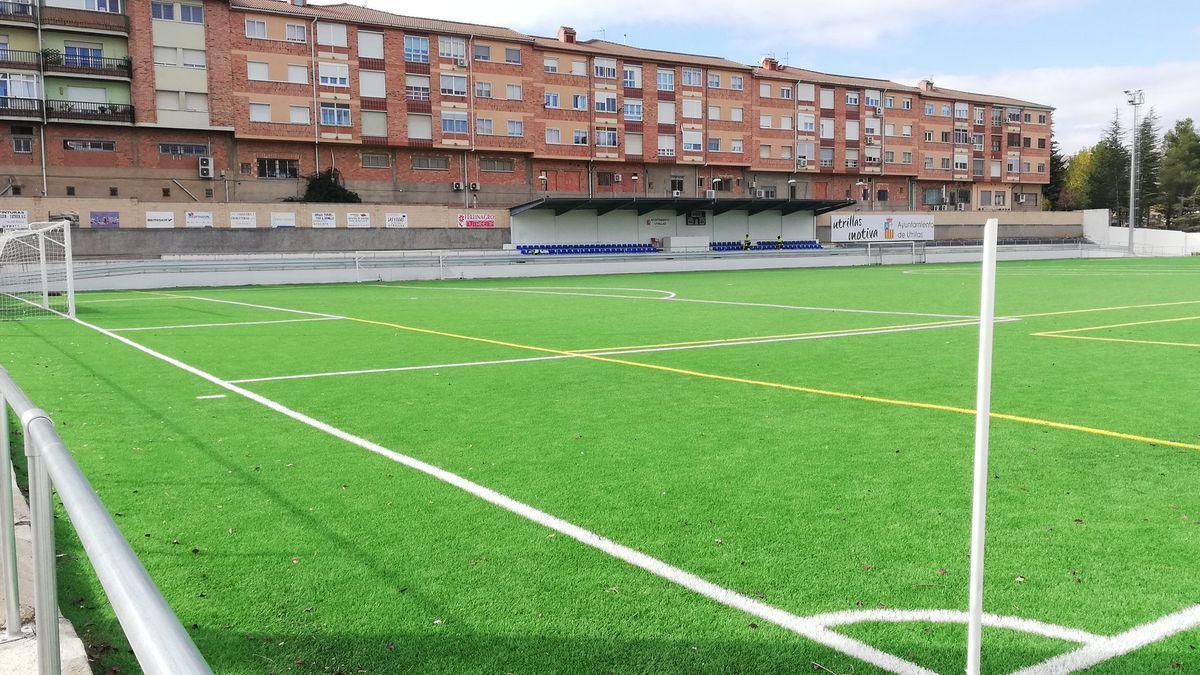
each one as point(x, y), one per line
point(982, 98)
point(363, 15)
point(681, 205)
point(805, 75)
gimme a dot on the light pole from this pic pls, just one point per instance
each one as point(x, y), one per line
point(1136, 98)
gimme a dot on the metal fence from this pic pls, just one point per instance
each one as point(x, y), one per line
point(159, 642)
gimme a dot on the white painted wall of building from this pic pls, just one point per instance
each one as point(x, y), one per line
point(541, 226)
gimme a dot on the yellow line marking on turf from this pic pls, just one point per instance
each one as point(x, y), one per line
point(1125, 340)
point(1107, 309)
point(1055, 333)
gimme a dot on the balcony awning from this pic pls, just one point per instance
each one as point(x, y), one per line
point(681, 205)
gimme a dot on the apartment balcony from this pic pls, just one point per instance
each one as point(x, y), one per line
point(25, 108)
point(84, 19)
point(17, 11)
point(22, 60)
point(87, 65)
point(90, 112)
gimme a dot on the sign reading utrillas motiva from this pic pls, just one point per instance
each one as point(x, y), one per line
point(880, 227)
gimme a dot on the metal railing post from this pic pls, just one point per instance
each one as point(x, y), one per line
point(8, 534)
point(41, 516)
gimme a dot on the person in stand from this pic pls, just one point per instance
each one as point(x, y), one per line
point(779, 243)
point(747, 243)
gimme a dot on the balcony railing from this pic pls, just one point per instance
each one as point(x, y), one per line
point(16, 11)
point(11, 106)
point(16, 58)
point(84, 110)
point(89, 65)
point(83, 18)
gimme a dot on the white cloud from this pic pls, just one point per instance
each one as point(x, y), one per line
point(1085, 98)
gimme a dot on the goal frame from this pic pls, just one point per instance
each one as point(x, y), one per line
point(41, 231)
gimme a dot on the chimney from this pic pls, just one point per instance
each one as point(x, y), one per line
point(770, 63)
point(566, 34)
point(926, 85)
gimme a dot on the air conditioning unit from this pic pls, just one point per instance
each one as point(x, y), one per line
point(760, 194)
point(710, 194)
point(457, 186)
point(1021, 198)
point(677, 193)
point(461, 61)
point(206, 167)
point(802, 163)
point(474, 187)
point(616, 178)
point(962, 207)
point(879, 111)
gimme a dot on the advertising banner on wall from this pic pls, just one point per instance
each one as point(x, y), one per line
point(358, 220)
point(324, 219)
point(855, 227)
point(104, 219)
point(14, 220)
point(198, 219)
point(658, 222)
point(476, 220)
point(283, 219)
point(243, 219)
point(395, 220)
point(160, 219)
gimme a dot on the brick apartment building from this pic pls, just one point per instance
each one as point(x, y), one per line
point(125, 97)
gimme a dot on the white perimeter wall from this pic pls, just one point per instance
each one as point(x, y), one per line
point(1145, 242)
point(541, 226)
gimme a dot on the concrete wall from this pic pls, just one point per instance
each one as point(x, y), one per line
point(143, 243)
point(541, 226)
point(1145, 242)
point(950, 225)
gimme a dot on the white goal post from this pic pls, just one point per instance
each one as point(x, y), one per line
point(877, 249)
point(36, 272)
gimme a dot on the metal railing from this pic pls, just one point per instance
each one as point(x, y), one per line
point(19, 58)
point(92, 65)
point(85, 110)
point(11, 106)
point(20, 11)
point(159, 642)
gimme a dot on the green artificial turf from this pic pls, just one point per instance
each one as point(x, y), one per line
point(284, 549)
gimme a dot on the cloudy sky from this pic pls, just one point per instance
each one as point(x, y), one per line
point(1076, 55)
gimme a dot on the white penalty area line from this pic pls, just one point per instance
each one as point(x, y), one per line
point(673, 298)
point(1095, 652)
point(618, 351)
point(222, 325)
point(799, 625)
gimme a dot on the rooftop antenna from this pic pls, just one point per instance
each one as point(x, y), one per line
point(603, 33)
point(786, 56)
point(624, 38)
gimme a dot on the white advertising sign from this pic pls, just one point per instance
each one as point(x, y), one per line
point(283, 219)
point(14, 220)
point(395, 220)
point(477, 220)
point(358, 220)
point(658, 222)
point(243, 219)
point(160, 219)
point(324, 219)
point(198, 219)
point(854, 227)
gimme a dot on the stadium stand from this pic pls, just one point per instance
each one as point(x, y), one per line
point(766, 245)
point(583, 249)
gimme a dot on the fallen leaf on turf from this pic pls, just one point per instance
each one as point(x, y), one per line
point(754, 625)
point(295, 560)
point(1079, 521)
point(868, 567)
point(390, 646)
point(941, 571)
point(1020, 580)
point(438, 622)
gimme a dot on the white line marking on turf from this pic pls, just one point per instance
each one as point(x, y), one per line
point(1031, 626)
point(210, 397)
point(140, 299)
point(615, 352)
point(221, 325)
point(1110, 647)
point(724, 596)
point(692, 300)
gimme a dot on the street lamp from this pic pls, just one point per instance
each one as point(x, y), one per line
point(1136, 98)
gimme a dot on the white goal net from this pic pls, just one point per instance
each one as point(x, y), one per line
point(36, 273)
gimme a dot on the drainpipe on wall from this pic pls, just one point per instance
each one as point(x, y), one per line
point(42, 86)
point(471, 121)
point(316, 110)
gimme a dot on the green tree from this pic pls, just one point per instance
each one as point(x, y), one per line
point(327, 186)
point(1149, 148)
point(1058, 176)
point(1108, 180)
point(1180, 170)
point(1076, 180)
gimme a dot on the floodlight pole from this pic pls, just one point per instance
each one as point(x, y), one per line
point(983, 407)
point(1136, 98)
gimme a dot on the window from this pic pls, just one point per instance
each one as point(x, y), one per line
point(1042, 118)
point(298, 74)
point(453, 85)
point(735, 114)
point(579, 101)
point(260, 112)
point(785, 93)
point(928, 162)
point(889, 130)
point(1001, 198)
point(257, 70)
point(1028, 118)
point(997, 117)
point(376, 160)
point(454, 122)
point(334, 74)
point(735, 145)
point(516, 128)
point(631, 77)
point(714, 145)
point(606, 137)
point(851, 159)
point(195, 102)
point(979, 112)
point(606, 102)
point(961, 136)
point(764, 90)
point(785, 152)
point(997, 144)
point(736, 82)
point(549, 64)
point(1041, 167)
point(89, 145)
point(872, 99)
point(579, 137)
point(298, 114)
point(676, 184)
point(166, 12)
point(995, 169)
point(297, 32)
point(889, 157)
point(278, 168)
point(22, 145)
point(944, 110)
point(416, 87)
point(960, 162)
point(906, 104)
point(605, 69)
point(906, 157)
point(928, 136)
point(666, 80)
point(852, 129)
point(165, 56)
point(1026, 142)
point(764, 152)
point(256, 29)
point(495, 165)
point(826, 127)
point(807, 123)
point(945, 162)
point(1014, 115)
point(551, 99)
point(512, 55)
point(666, 145)
point(906, 130)
point(331, 34)
point(930, 109)
point(439, 163)
point(852, 98)
point(764, 121)
point(691, 77)
point(693, 141)
point(1041, 144)
point(514, 92)
point(806, 92)
point(945, 137)
point(827, 99)
point(483, 89)
point(889, 102)
point(977, 141)
point(633, 110)
point(714, 80)
point(194, 58)
point(785, 121)
point(335, 114)
point(977, 167)
point(666, 112)
point(370, 45)
point(714, 112)
point(985, 197)
point(553, 136)
point(633, 144)
point(183, 149)
point(452, 48)
point(1025, 168)
point(483, 126)
point(579, 68)
point(692, 108)
point(416, 49)
point(961, 111)
point(604, 178)
point(166, 100)
point(370, 84)
point(191, 13)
